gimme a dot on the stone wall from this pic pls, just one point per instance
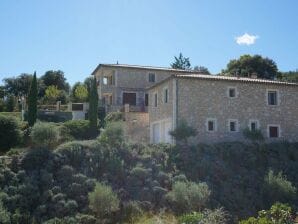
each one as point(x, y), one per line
point(200, 99)
point(136, 127)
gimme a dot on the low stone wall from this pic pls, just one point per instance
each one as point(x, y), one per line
point(136, 127)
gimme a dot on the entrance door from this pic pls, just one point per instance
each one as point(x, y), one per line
point(130, 98)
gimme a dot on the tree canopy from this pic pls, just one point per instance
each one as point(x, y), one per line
point(202, 70)
point(291, 76)
point(79, 92)
point(52, 93)
point(55, 78)
point(181, 63)
point(247, 65)
point(18, 86)
point(32, 102)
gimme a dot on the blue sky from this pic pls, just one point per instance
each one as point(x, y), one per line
point(75, 35)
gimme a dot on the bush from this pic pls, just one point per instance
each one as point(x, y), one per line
point(254, 136)
point(10, 133)
point(278, 214)
point(188, 196)
point(114, 117)
point(103, 201)
point(278, 188)
point(131, 212)
point(183, 131)
point(192, 218)
point(112, 135)
point(45, 134)
point(218, 216)
point(79, 129)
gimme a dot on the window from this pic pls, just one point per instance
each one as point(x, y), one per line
point(273, 131)
point(233, 125)
point(108, 80)
point(151, 77)
point(232, 92)
point(155, 99)
point(146, 99)
point(272, 97)
point(165, 95)
point(211, 125)
point(253, 125)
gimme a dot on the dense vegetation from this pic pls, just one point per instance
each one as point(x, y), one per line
point(107, 180)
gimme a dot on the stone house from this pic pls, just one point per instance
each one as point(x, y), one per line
point(120, 84)
point(220, 107)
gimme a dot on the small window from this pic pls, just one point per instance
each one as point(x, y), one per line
point(211, 125)
point(272, 97)
point(151, 77)
point(232, 92)
point(155, 99)
point(108, 80)
point(273, 131)
point(146, 99)
point(166, 95)
point(253, 125)
point(233, 125)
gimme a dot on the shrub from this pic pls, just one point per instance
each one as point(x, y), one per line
point(114, 117)
point(112, 135)
point(103, 201)
point(188, 196)
point(183, 131)
point(10, 134)
point(162, 218)
point(191, 218)
point(279, 213)
point(44, 134)
point(131, 212)
point(278, 188)
point(254, 136)
point(79, 129)
point(218, 216)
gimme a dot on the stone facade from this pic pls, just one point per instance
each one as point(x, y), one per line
point(206, 104)
point(114, 80)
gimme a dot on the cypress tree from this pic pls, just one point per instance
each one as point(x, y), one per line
point(32, 101)
point(93, 106)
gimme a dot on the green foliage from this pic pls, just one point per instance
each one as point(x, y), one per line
point(52, 93)
point(278, 188)
point(45, 134)
point(218, 216)
point(188, 196)
point(32, 101)
point(201, 70)
point(190, 218)
point(103, 201)
point(181, 63)
point(55, 78)
point(79, 92)
point(278, 214)
point(246, 65)
point(10, 133)
point(183, 131)
point(131, 212)
point(114, 117)
point(112, 135)
point(78, 129)
point(18, 86)
point(4, 215)
point(254, 136)
point(93, 106)
point(291, 76)
point(10, 103)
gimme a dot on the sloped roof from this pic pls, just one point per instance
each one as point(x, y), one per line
point(142, 67)
point(226, 78)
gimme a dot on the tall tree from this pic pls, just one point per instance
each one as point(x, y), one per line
point(93, 105)
point(52, 93)
point(79, 92)
point(202, 70)
point(32, 101)
point(55, 78)
point(18, 86)
point(247, 65)
point(181, 63)
point(291, 76)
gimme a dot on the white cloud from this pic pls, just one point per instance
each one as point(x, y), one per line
point(246, 39)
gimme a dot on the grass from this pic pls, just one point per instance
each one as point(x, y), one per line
point(18, 115)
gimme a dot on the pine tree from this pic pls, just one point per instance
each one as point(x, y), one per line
point(32, 101)
point(93, 106)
